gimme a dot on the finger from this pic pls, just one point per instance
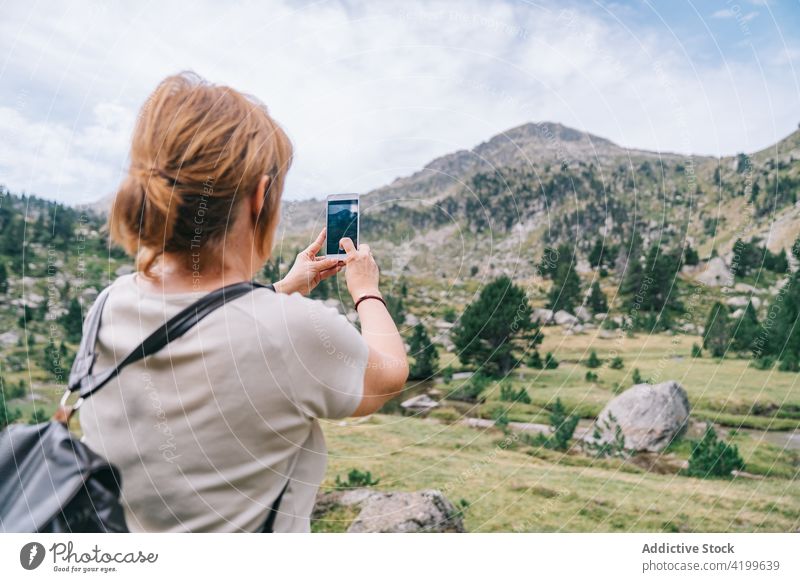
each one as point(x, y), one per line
point(324, 264)
point(348, 246)
point(364, 248)
point(315, 246)
point(329, 272)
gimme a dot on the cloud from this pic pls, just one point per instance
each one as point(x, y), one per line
point(367, 91)
point(727, 14)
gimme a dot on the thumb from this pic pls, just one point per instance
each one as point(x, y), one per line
point(348, 246)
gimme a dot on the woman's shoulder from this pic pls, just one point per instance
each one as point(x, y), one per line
point(294, 308)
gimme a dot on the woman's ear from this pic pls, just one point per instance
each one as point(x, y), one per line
point(258, 198)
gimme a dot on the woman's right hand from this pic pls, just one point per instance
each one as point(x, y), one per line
point(361, 270)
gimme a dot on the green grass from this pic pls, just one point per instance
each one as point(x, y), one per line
point(725, 391)
point(521, 488)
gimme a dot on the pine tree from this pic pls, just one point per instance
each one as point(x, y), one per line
point(7, 416)
point(3, 278)
point(396, 308)
point(593, 361)
point(426, 358)
point(566, 290)
point(596, 257)
point(494, 327)
point(784, 336)
point(716, 336)
point(597, 299)
point(72, 321)
point(746, 330)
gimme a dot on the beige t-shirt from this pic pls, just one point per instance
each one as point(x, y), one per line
point(207, 431)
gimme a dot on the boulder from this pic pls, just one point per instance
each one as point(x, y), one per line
point(9, 338)
point(542, 316)
point(650, 416)
point(419, 403)
point(411, 319)
point(393, 512)
point(565, 318)
point(716, 274)
point(583, 314)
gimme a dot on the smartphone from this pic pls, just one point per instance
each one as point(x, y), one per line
point(342, 222)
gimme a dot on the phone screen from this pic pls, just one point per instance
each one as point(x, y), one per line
point(342, 222)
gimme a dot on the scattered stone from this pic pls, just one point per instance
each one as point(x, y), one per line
point(423, 402)
point(542, 316)
point(411, 319)
point(716, 274)
point(395, 512)
point(9, 338)
point(583, 314)
point(650, 416)
point(564, 318)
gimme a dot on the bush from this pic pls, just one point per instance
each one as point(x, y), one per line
point(614, 448)
point(450, 315)
point(508, 394)
point(446, 414)
point(535, 361)
point(550, 362)
point(471, 390)
point(593, 361)
point(500, 417)
point(616, 363)
point(447, 374)
point(637, 377)
point(39, 416)
point(763, 363)
point(13, 391)
point(789, 363)
point(355, 479)
point(563, 427)
point(697, 351)
point(591, 376)
point(712, 457)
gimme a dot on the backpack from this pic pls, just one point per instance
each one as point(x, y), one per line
point(50, 481)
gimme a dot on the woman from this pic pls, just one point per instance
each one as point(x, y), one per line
point(209, 431)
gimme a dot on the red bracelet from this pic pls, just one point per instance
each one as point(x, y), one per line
point(378, 297)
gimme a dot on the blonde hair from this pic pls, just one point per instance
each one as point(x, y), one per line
point(198, 151)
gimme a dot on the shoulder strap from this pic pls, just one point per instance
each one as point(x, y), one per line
point(269, 524)
point(82, 378)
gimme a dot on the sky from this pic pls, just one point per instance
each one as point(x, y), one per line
point(370, 91)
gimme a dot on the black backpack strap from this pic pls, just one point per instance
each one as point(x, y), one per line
point(273, 511)
point(81, 377)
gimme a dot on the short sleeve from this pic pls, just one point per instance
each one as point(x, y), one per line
point(326, 359)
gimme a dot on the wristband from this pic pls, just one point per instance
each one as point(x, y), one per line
point(378, 297)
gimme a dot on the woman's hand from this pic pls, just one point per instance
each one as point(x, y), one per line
point(362, 270)
point(309, 269)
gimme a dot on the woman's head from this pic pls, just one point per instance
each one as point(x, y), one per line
point(198, 160)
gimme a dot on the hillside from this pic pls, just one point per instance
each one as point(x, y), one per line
point(497, 206)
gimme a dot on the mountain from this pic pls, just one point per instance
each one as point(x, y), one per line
point(495, 207)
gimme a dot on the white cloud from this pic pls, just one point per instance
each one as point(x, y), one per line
point(368, 91)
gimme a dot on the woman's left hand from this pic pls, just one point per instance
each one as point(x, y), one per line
point(309, 269)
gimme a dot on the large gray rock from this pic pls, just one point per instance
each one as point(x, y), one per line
point(565, 318)
point(650, 416)
point(395, 512)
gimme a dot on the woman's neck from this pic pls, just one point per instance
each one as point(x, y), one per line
point(180, 274)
